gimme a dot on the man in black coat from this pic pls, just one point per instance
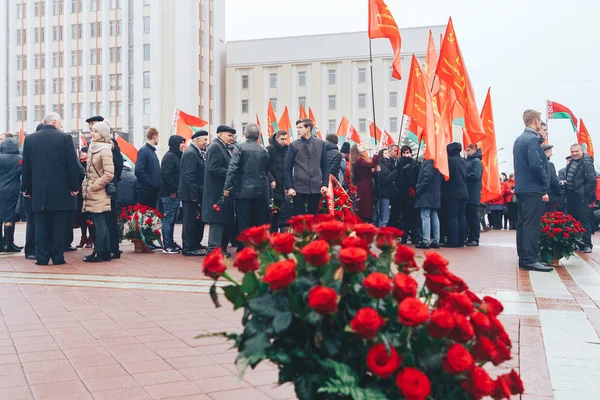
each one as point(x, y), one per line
point(217, 210)
point(455, 195)
point(554, 189)
point(581, 191)
point(147, 171)
point(428, 202)
point(407, 175)
point(334, 157)
point(126, 189)
point(247, 178)
point(191, 187)
point(169, 171)
point(474, 174)
point(277, 152)
point(531, 182)
point(51, 179)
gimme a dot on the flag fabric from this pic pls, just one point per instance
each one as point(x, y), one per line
point(584, 139)
point(186, 125)
point(490, 182)
point(451, 69)
point(374, 132)
point(82, 141)
point(386, 140)
point(271, 120)
point(127, 150)
point(430, 66)
point(383, 25)
point(343, 129)
point(558, 111)
point(285, 124)
point(316, 131)
point(415, 105)
point(22, 137)
point(353, 135)
point(302, 112)
point(262, 141)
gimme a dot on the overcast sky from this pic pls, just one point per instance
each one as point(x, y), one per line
point(527, 51)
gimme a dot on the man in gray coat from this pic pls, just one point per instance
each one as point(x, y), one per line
point(429, 201)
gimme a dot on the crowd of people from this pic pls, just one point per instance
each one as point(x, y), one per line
point(233, 186)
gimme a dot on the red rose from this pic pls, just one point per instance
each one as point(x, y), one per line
point(255, 236)
point(480, 322)
point(323, 300)
point(381, 363)
point(129, 218)
point(247, 260)
point(148, 221)
point(365, 231)
point(478, 384)
point(281, 274)
point(338, 215)
point(496, 327)
point(378, 285)
point(459, 302)
point(457, 284)
point(492, 306)
point(502, 353)
point(566, 235)
point(367, 322)
point(484, 349)
point(412, 312)
point(302, 223)
point(216, 207)
point(463, 330)
point(404, 286)
point(214, 264)
point(331, 231)
point(355, 241)
point(501, 389)
point(157, 232)
point(441, 324)
point(316, 253)
point(339, 202)
point(473, 297)
point(438, 284)
point(514, 382)
point(434, 262)
point(405, 259)
point(457, 360)
point(136, 216)
point(283, 243)
point(353, 259)
point(413, 384)
point(387, 237)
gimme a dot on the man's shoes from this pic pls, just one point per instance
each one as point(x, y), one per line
point(587, 250)
point(61, 262)
point(435, 245)
point(202, 247)
point(152, 246)
point(115, 254)
point(41, 263)
point(11, 248)
point(472, 243)
point(536, 267)
point(422, 246)
point(93, 258)
point(70, 248)
point(171, 250)
point(30, 257)
point(106, 256)
point(449, 246)
point(191, 253)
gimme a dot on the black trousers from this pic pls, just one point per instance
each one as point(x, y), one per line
point(113, 227)
point(580, 211)
point(193, 228)
point(306, 203)
point(148, 197)
point(395, 212)
point(457, 223)
point(411, 223)
point(102, 241)
point(473, 226)
point(512, 214)
point(30, 231)
point(251, 212)
point(496, 219)
point(530, 209)
point(550, 206)
point(51, 235)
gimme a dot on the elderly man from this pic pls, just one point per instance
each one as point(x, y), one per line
point(554, 185)
point(51, 179)
point(247, 177)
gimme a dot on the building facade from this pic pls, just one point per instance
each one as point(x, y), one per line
point(328, 73)
point(132, 61)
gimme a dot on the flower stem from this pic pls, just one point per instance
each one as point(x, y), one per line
point(230, 278)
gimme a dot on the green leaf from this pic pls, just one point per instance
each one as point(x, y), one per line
point(213, 295)
point(250, 283)
point(304, 387)
point(254, 326)
point(282, 321)
point(234, 295)
point(313, 317)
point(263, 306)
point(255, 348)
point(342, 371)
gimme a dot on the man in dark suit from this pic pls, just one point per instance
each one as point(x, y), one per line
point(191, 187)
point(51, 180)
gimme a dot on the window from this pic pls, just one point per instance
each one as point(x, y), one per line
point(302, 101)
point(362, 75)
point(57, 108)
point(113, 81)
point(75, 110)
point(57, 33)
point(95, 83)
point(146, 79)
point(76, 84)
point(244, 126)
point(393, 99)
point(95, 29)
point(362, 125)
point(117, 107)
point(115, 54)
point(57, 85)
point(95, 5)
point(39, 112)
point(393, 124)
point(21, 11)
point(244, 81)
point(362, 100)
point(58, 59)
point(331, 76)
point(115, 4)
point(146, 25)
point(146, 106)
point(244, 106)
point(76, 58)
point(21, 36)
point(21, 62)
point(75, 6)
point(58, 7)
point(38, 9)
point(22, 113)
point(147, 2)
point(331, 128)
point(301, 78)
point(39, 86)
point(96, 57)
point(114, 28)
point(332, 101)
point(21, 88)
point(76, 31)
point(273, 80)
point(39, 34)
point(39, 61)
point(147, 52)
point(274, 103)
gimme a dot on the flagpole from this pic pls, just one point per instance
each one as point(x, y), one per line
point(372, 91)
point(419, 149)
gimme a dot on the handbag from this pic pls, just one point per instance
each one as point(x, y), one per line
point(110, 188)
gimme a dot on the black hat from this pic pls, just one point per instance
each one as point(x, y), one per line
point(199, 133)
point(547, 146)
point(345, 148)
point(97, 118)
point(225, 128)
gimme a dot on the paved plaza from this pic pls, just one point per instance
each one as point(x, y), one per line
point(125, 329)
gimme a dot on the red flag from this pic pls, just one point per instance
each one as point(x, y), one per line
point(490, 187)
point(374, 132)
point(317, 131)
point(430, 65)
point(353, 135)
point(284, 123)
point(451, 69)
point(558, 111)
point(415, 105)
point(584, 138)
point(343, 128)
point(271, 119)
point(82, 141)
point(302, 112)
point(383, 25)
point(386, 140)
point(127, 149)
point(186, 125)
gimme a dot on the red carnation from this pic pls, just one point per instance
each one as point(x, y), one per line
point(247, 260)
point(302, 223)
point(463, 330)
point(387, 237)
point(367, 322)
point(378, 285)
point(214, 264)
point(434, 262)
point(331, 231)
point(323, 300)
point(479, 384)
point(382, 363)
point(281, 274)
point(514, 382)
point(365, 231)
point(413, 384)
point(316, 253)
point(412, 312)
point(404, 286)
point(353, 259)
point(440, 324)
point(255, 236)
point(457, 360)
point(283, 243)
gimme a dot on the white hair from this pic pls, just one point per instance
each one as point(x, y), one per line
point(51, 117)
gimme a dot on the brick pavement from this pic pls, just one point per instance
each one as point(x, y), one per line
point(61, 339)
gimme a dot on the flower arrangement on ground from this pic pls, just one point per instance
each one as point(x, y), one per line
point(141, 223)
point(340, 205)
point(342, 322)
point(561, 236)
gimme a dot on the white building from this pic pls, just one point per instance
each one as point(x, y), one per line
point(132, 61)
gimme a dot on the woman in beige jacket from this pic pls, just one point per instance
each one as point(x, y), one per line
point(96, 201)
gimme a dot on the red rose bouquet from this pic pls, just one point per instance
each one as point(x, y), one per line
point(340, 203)
point(561, 236)
point(141, 223)
point(343, 322)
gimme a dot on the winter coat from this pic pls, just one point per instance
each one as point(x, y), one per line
point(306, 166)
point(217, 163)
point(383, 182)
point(50, 170)
point(363, 178)
point(555, 190)
point(147, 168)
point(455, 189)
point(126, 191)
point(530, 174)
point(506, 189)
point(407, 174)
point(583, 182)
point(248, 170)
point(99, 173)
point(429, 186)
point(191, 178)
point(334, 157)
point(474, 173)
point(10, 179)
point(170, 167)
point(118, 162)
point(277, 154)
